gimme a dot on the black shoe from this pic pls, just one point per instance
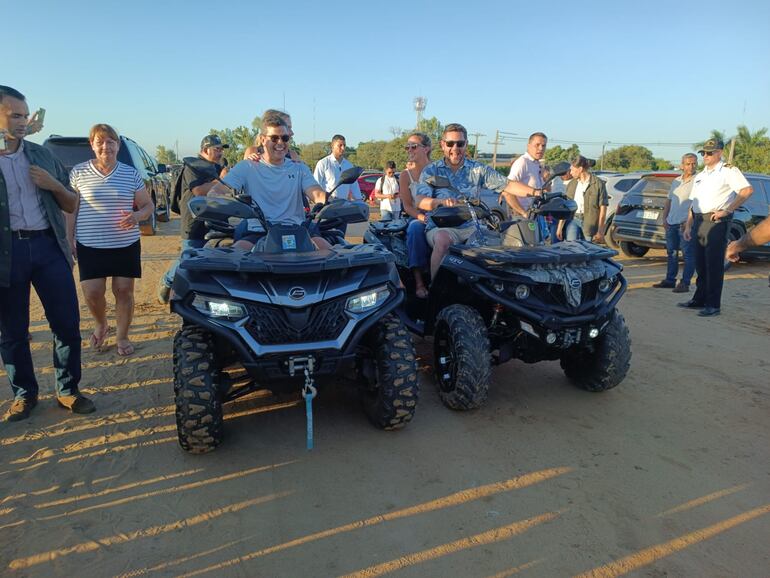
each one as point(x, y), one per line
point(681, 288)
point(690, 305)
point(709, 312)
point(20, 409)
point(664, 285)
point(76, 403)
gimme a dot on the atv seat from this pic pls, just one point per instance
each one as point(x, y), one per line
point(390, 227)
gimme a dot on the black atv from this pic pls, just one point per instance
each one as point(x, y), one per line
point(506, 294)
point(278, 318)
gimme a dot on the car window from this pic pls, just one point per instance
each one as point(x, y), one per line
point(149, 162)
point(757, 202)
point(652, 186)
point(624, 185)
point(766, 185)
point(372, 179)
point(136, 157)
point(70, 152)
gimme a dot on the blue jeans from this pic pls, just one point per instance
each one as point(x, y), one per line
point(39, 262)
point(168, 278)
point(386, 215)
point(674, 243)
point(417, 245)
point(573, 230)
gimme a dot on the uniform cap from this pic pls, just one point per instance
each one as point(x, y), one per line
point(711, 145)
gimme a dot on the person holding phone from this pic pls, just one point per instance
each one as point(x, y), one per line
point(34, 192)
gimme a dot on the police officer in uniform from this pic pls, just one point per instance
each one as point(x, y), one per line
point(714, 199)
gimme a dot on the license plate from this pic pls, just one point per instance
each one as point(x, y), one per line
point(650, 215)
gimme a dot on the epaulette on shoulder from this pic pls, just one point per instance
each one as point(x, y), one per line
point(729, 166)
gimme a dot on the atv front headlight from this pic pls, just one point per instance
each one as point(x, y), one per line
point(368, 300)
point(607, 284)
point(219, 308)
point(521, 292)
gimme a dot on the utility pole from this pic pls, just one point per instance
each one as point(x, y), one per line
point(476, 144)
point(494, 151)
point(601, 162)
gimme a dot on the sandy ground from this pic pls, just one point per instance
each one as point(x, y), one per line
point(666, 475)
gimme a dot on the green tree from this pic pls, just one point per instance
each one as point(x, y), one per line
point(165, 155)
point(559, 154)
point(238, 138)
point(715, 134)
point(394, 151)
point(313, 152)
point(752, 150)
point(369, 154)
point(629, 158)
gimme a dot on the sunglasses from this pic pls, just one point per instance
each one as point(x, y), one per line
point(708, 153)
point(276, 137)
point(411, 146)
point(450, 143)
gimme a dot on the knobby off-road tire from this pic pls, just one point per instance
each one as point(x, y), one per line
point(604, 367)
point(630, 249)
point(391, 400)
point(461, 339)
point(198, 404)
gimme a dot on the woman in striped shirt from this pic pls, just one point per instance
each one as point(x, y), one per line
point(112, 199)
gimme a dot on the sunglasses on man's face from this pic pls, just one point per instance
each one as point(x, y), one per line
point(708, 153)
point(410, 146)
point(276, 137)
point(450, 143)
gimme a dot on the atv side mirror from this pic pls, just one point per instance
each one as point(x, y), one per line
point(350, 176)
point(245, 199)
point(438, 182)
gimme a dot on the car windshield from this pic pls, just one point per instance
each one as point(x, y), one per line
point(70, 153)
point(657, 185)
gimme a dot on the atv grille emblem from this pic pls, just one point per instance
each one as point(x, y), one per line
point(297, 293)
point(574, 283)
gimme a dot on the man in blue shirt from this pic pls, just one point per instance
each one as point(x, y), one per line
point(465, 175)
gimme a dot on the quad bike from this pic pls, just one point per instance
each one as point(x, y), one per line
point(506, 294)
point(278, 318)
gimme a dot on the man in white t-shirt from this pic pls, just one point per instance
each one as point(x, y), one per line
point(386, 189)
point(277, 184)
point(714, 199)
point(329, 169)
point(528, 170)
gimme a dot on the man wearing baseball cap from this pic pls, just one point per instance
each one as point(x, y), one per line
point(714, 199)
point(198, 176)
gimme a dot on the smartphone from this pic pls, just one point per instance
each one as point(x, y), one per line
point(36, 122)
point(3, 145)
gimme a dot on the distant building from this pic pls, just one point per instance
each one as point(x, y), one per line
point(503, 159)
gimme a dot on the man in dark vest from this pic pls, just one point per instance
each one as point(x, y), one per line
point(34, 252)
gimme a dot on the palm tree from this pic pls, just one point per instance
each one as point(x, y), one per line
point(752, 150)
point(715, 134)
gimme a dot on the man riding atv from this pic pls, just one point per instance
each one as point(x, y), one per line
point(278, 185)
point(467, 177)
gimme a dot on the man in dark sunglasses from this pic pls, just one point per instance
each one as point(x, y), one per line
point(276, 183)
point(714, 199)
point(468, 177)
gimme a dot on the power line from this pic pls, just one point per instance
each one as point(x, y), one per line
point(508, 136)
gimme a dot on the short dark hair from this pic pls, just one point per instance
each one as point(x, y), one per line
point(455, 127)
point(12, 92)
point(534, 134)
point(390, 165)
point(272, 120)
point(337, 137)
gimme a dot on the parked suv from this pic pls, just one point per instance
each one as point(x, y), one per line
point(72, 150)
point(638, 222)
point(617, 184)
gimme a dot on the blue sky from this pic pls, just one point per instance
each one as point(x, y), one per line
point(592, 71)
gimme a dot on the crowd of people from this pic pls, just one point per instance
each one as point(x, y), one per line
point(48, 218)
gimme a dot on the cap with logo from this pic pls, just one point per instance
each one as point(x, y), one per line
point(711, 145)
point(213, 140)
